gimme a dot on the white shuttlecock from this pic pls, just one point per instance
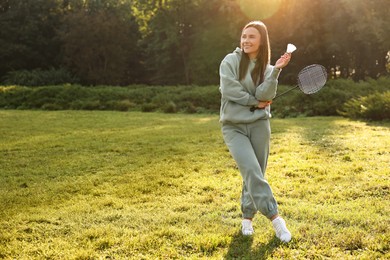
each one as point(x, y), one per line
point(290, 48)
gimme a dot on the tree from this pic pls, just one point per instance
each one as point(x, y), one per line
point(216, 34)
point(100, 44)
point(28, 34)
point(4, 6)
point(183, 41)
point(350, 38)
point(369, 37)
point(190, 38)
point(169, 41)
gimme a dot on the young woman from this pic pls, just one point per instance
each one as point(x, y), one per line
point(247, 80)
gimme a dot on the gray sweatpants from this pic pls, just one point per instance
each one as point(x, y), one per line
point(249, 146)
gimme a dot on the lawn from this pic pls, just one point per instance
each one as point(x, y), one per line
point(132, 185)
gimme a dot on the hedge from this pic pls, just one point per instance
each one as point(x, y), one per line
point(338, 97)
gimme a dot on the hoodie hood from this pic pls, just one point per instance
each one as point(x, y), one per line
point(238, 51)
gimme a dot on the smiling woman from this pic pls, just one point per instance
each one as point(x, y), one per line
point(248, 80)
point(259, 9)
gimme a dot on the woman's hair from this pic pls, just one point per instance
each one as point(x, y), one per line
point(263, 57)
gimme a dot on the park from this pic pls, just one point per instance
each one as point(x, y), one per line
point(111, 148)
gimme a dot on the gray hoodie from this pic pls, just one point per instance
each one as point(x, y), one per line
point(238, 96)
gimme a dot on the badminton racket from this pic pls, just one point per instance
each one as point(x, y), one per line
point(311, 79)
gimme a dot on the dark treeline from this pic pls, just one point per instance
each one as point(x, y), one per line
point(163, 42)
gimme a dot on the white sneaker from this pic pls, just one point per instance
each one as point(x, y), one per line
point(247, 229)
point(281, 230)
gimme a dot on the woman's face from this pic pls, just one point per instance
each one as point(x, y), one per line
point(250, 41)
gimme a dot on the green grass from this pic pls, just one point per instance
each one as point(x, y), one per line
point(131, 185)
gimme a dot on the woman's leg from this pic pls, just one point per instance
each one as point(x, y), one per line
point(249, 146)
point(257, 194)
point(260, 135)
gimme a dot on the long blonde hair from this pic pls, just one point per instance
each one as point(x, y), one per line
point(262, 58)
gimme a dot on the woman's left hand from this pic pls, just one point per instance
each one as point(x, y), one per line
point(264, 104)
point(283, 61)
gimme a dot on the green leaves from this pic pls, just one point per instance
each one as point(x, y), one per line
point(372, 107)
point(182, 41)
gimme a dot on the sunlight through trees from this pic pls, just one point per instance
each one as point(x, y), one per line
point(183, 41)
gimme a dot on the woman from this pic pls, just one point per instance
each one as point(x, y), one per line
point(247, 80)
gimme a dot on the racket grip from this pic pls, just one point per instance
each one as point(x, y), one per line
point(252, 109)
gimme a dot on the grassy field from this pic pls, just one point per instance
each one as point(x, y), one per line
point(131, 185)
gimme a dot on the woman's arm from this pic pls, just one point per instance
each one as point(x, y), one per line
point(231, 89)
point(266, 91)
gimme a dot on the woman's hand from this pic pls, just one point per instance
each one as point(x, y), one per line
point(263, 104)
point(283, 61)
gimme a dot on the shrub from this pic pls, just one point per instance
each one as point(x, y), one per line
point(39, 77)
point(330, 101)
point(170, 107)
point(13, 97)
point(372, 107)
point(148, 108)
point(122, 105)
point(188, 107)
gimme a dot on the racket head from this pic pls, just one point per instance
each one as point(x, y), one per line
point(312, 78)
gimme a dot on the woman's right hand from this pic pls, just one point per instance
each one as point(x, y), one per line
point(283, 61)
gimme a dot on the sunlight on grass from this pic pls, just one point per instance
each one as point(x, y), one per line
point(89, 185)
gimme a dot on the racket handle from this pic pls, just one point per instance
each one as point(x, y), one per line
point(252, 109)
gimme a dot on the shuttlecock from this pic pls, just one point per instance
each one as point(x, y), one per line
point(290, 48)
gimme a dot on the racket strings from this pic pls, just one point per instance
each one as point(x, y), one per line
point(312, 78)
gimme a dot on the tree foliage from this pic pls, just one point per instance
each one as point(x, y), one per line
point(100, 42)
point(28, 38)
point(99, 46)
point(120, 42)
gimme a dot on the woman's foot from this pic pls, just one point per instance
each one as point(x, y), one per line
point(281, 229)
point(247, 228)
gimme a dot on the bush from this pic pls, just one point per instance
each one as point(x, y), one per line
point(189, 107)
point(39, 77)
point(337, 97)
point(371, 107)
point(13, 97)
point(148, 108)
point(122, 105)
point(170, 107)
point(329, 101)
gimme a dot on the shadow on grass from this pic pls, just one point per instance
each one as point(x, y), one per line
point(241, 248)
